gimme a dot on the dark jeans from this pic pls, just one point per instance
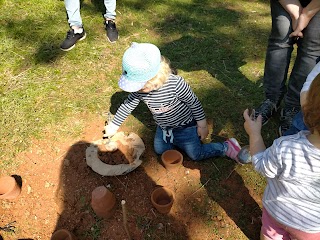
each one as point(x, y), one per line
point(297, 125)
point(278, 56)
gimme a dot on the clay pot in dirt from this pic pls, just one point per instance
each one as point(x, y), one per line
point(63, 234)
point(172, 159)
point(103, 202)
point(162, 199)
point(9, 188)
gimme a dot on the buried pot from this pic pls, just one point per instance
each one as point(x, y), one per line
point(171, 159)
point(63, 234)
point(162, 199)
point(9, 188)
point(103, 202)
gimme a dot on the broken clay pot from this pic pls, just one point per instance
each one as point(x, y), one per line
point(9, 188)
point(63, 234)
point(103, 202)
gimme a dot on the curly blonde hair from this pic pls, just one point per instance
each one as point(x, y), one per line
point(311, 110)
point(162, 76)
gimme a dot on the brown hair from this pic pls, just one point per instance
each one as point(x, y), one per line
point(311, 110)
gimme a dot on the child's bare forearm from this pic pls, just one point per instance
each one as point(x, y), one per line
point(256, 144)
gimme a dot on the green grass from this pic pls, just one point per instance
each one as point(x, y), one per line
point(217, 46)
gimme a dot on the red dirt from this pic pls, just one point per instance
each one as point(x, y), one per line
point(57, 186)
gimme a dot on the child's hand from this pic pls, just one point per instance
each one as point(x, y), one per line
point(202, 129)
point(203, 132)
point(251, 125)
point(110, 130)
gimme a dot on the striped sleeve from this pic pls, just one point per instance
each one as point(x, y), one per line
point(267, 163)
point(187, 96)
point(126, 108)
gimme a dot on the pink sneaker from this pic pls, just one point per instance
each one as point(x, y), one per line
point(233, 149)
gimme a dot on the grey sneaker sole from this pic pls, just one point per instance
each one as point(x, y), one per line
point(68, 49)
point(114, 40)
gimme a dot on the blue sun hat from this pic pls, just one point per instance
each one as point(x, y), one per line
point(140, 63)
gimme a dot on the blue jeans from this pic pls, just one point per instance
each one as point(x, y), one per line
point(297, 125)
point(73, 11)
point(187, 139)
point(278, 56)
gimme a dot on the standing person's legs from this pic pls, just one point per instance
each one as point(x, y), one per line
point(76, 33)
point(73, 12)
point(110, 9)
point(307, 53)
point(277, 61)
point(278, 54)
point(297, 125)
point(110, 16)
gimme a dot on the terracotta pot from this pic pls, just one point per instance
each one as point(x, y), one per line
point(172, 159)
point(162, 199)
point(103, 202)
point(63, 234)
point(9, 188)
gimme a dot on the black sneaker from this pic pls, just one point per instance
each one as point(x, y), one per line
point(287, 115)
point(71, 39)
point(266, 109)
point(112, 32)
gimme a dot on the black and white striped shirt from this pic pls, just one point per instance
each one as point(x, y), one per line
point(292, 168)
point(172, 106)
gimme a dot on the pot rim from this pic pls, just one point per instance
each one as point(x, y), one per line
point(167, 190)
point(8, 180)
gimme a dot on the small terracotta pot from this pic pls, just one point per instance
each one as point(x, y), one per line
point(172, 159)
point(9, 188)
point(162, 199)
point(63, 234)
point(103, 202)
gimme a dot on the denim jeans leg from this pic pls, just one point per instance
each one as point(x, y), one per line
point(73, 12)
point(159, 145)
point(110, 9)
point(307, 53)
point(278, 53)
point(297, 125)
point(187, 139)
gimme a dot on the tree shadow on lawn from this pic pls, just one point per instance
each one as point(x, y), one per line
point(226, 187)
point(77, 181)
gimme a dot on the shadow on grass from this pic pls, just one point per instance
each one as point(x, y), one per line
point(37, 32)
